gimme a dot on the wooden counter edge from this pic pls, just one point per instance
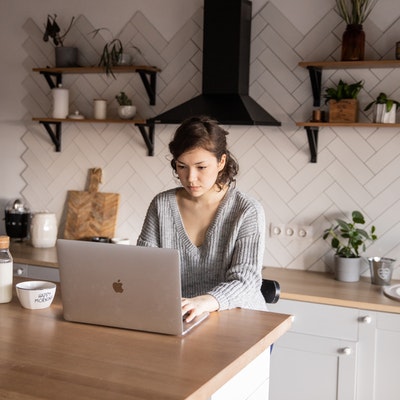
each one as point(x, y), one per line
point(322, 288)
point(246, 358)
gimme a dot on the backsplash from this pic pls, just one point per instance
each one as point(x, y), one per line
point(356, 168)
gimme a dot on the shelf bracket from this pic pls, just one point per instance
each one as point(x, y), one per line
point(55, 134)
point(149, 81)
point(315, 78)
point(312, 136)
point(53, 78)
point(147, 131)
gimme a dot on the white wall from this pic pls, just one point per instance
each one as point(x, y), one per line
point(356, 169)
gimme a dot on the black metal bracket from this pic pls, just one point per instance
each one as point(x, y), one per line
point(55, 134)
point(147, 131)
point(53, 78)
point(149, 79)
point(312, 136)
point(315, 78)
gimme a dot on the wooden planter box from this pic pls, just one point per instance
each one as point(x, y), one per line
point(343, 111)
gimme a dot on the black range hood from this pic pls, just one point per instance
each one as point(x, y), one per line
point(226, 59)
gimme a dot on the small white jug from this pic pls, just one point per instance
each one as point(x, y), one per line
point(44, 229)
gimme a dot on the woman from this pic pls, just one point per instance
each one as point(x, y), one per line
point(218, 230)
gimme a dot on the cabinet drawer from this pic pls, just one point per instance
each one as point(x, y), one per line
point(321, 320)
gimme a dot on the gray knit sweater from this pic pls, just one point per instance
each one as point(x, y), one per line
point(228, 264)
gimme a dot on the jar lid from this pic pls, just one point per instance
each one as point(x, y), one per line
point(4, 242)
point(18, 206)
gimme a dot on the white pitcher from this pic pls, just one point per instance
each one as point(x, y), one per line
point(44, 229)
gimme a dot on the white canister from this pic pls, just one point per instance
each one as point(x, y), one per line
point(44, 229)
point(60, 102)
point(100, 109)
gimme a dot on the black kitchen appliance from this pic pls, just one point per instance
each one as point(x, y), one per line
point(226, 62)
point(17, 219)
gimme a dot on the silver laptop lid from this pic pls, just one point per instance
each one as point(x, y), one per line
point(122, 286)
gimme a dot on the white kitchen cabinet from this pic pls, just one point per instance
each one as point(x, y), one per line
point(387, 357)
point(317, 358)
point(37, 272)
point(335, 353)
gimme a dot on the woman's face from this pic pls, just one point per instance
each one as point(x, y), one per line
point(198, 169)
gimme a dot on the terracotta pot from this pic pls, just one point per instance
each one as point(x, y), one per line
point(353, 43)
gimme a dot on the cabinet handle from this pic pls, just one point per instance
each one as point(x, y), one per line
point(345, 350)
point(366, 319)
point(19, 271)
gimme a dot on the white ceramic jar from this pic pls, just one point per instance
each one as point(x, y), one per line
point(44, 229)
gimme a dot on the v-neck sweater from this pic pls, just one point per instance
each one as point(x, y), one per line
point(229, 262)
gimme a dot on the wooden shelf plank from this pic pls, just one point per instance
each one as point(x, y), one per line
point(351, 64)
point(92, 120)
point(97, 70)
point(355, 124)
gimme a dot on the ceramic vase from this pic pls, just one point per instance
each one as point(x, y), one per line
point(353, 43)
point(44, 229)
point(347, 269)
point(384, 117)
point(126, 112)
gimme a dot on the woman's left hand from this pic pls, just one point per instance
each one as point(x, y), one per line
point(198, 305)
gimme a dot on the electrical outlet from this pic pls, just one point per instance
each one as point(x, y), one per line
point(276, 230)
point(305, 231)
point(291, 231)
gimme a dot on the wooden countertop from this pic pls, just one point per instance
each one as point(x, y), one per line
point(318, 287)
point(315, 287)
point(24, 253)
point(45, 357)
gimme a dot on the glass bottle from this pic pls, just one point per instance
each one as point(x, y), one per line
point(6, 270)
point(353, 43)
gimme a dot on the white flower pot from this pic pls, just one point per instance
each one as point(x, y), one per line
point(126, 112)
point(384, 117)
point(347, 269)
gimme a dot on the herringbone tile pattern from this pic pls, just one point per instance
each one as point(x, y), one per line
point(356, 169)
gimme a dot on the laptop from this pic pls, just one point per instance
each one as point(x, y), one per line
point(122, 286)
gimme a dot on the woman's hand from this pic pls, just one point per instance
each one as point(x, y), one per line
point(198, 305)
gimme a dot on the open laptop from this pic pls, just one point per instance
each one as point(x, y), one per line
point(122, 286)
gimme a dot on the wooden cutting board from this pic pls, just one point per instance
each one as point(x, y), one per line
point(91, 213)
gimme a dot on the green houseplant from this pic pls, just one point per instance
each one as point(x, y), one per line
point(113, 53)
point(348, 239)
point(385, 110)
point(342, 100)
point(65, 56)
point(125, 110)
point(354, 13)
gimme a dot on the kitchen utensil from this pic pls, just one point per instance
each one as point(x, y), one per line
point(91, 213)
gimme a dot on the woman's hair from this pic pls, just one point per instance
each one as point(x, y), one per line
point(205, 133)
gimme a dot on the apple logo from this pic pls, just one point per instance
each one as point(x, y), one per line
point(117, 286)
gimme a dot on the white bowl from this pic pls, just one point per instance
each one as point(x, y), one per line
point(35, 294)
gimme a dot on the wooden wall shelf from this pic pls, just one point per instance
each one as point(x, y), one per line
point(315, 72)
point(148, 76)
point(53, 128)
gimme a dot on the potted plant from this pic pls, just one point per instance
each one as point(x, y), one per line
point(65, 56)
point(125, 110)
point(347, 240)
point(354, 13)
point(342, 100)
point(385, 110)
point(113, 53)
